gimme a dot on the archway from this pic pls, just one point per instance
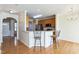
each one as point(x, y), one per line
point(9, 28)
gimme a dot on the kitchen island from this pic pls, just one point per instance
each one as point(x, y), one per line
point(46, 39)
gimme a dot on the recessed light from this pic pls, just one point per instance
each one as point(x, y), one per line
point(37, 16)
point(12, 11)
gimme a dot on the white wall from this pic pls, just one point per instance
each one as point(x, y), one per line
point(2, 16)
point(24, 37)
point(12, 28)
point(23, 34)
point(22, 20)
point(69, 26)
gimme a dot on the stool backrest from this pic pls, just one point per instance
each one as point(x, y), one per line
point(37, 33)
point(57, 33)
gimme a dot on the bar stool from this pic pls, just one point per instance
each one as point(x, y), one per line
point(55, 38)
point(37, 36)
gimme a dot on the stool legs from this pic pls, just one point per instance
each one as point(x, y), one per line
point(40, 44)
point(35, 44)
point(56, 43)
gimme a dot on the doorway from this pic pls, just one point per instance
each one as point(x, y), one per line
point(9, 29)
point(10, 32)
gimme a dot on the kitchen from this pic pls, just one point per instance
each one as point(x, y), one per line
point(45, 25)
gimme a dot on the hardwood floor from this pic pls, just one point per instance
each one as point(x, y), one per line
point(65, 47)
point(8, 45)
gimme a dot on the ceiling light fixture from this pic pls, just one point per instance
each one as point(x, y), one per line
point(37, 16)
point(12, 11)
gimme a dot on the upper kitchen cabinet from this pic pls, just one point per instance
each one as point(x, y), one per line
point(44, 22)
point(48, 22)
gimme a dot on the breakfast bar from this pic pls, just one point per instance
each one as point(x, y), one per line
point(46, 39)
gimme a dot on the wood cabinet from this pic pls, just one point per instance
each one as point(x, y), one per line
point(27, 22)
point(47, 21)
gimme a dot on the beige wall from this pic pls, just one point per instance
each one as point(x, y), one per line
point(69, 26)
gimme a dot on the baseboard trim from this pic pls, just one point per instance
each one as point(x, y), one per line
point(73, 41)
point(24, 43)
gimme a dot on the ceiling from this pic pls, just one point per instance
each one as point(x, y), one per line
point(35, 9)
